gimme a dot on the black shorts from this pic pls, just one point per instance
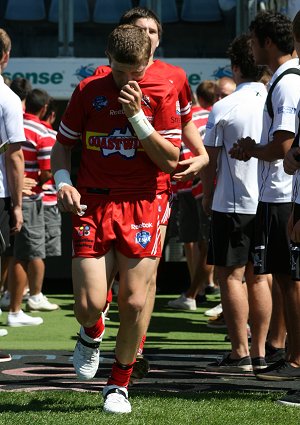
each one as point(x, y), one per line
point(271, 252)
point(295, 249)
point(231, 239)
point(188, 218)
point(5, 216)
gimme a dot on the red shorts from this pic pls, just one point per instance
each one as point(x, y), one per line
point(131, 227)
point(164, 207)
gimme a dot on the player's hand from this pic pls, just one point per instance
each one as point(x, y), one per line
point(291, 162)
point(207, 204)
point(28, 185)
point(241, 150)
point(131, 97)
point(188, 169)
point(68, 200)
point(17, 220)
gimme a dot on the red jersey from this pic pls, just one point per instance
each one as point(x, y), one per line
point(36, 150)
point(175, 75)
point(112, 156)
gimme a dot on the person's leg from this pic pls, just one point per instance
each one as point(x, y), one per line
point(293, 319)
point(17, 280)
point(235, 308)
point(90, 278)
point(260, 308)
point(277, 329)
point(35, 273)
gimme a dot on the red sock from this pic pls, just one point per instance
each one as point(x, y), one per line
point(96, 330)
point(120, 374)
point(141, 347)
point(109, 296)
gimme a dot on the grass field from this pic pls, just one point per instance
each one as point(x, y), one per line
point(170, 331)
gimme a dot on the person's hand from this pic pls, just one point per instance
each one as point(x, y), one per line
point(188, 168)
point(206, 204)
point(131, 97)
point(68, 200)
point(295, 234)
point(291, 163)
point(241, 150)
point(28, 185)
point(17, 220)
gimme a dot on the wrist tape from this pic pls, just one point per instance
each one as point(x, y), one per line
point(141, 125)
point(62, 178)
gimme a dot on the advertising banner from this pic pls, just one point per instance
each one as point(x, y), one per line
point(59, 76)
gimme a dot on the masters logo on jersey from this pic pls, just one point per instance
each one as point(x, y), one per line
point(119, 141)
point(100, 102)
point(143, 238)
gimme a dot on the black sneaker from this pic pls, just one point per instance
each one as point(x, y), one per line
point(212, 290)
point(292, 398)
point(141, 367)
point(283, 372)
point(273, 354)
point(258, 363)
point(201, 299)
point(226, 364)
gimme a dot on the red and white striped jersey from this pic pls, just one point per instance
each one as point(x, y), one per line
point(36, 150)
point(49, 189)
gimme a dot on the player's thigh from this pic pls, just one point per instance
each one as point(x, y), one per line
point(90, 279)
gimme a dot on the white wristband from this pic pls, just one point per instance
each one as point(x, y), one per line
point(62, 178)
point(141, 125)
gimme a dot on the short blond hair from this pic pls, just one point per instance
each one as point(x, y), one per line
point(129, 44)
point(5, 43)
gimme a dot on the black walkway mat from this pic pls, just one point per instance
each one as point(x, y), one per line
point(170, 372)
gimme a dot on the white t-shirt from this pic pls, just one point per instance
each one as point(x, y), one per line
point(237, 115)
point(274, 184)
point(11, 128)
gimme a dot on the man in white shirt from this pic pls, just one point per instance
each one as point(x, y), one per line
point(273, 45)
point(233, 202)
point(11, 157)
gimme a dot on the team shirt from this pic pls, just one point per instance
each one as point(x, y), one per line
point(237, 115)
point(36, 150)
point(49, 189)
point(112, 156)
point(11, 128)
point(274, 184)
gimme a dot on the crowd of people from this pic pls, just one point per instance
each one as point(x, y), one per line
point(232, 156)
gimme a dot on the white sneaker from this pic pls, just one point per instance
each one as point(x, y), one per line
point(41, 305)
point(214, 311)
point(5, 301)
point(183, 303)
point(22, 319)
point(3, 332)
point(86, 355)
point(116, 399)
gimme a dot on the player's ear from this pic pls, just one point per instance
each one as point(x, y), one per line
point(157, 44)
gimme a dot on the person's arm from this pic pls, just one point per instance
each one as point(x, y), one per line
point(163, 153)
point(291, 162)
point(68, 198)
point(276, 149)
point(15, 174)
point(192, 166)
point(208, 177)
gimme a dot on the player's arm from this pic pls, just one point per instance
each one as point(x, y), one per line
point(163, 153)
point(208, 176)
point(276, 149)
point(193, 140)
point(68, 198)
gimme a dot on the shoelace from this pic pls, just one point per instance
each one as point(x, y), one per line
point(90, 354)
point(116, 398)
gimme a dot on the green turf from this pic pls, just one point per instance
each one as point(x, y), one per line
point(169, 329)
point(217, 408)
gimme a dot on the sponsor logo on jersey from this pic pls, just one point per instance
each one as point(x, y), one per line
point(119, 141)
point(83, 230)
point(100, 102)
point(114, 112)
point(146, 101)
point(143, 238)
point(178, 107)
point(287, 110)
point(141, 226)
